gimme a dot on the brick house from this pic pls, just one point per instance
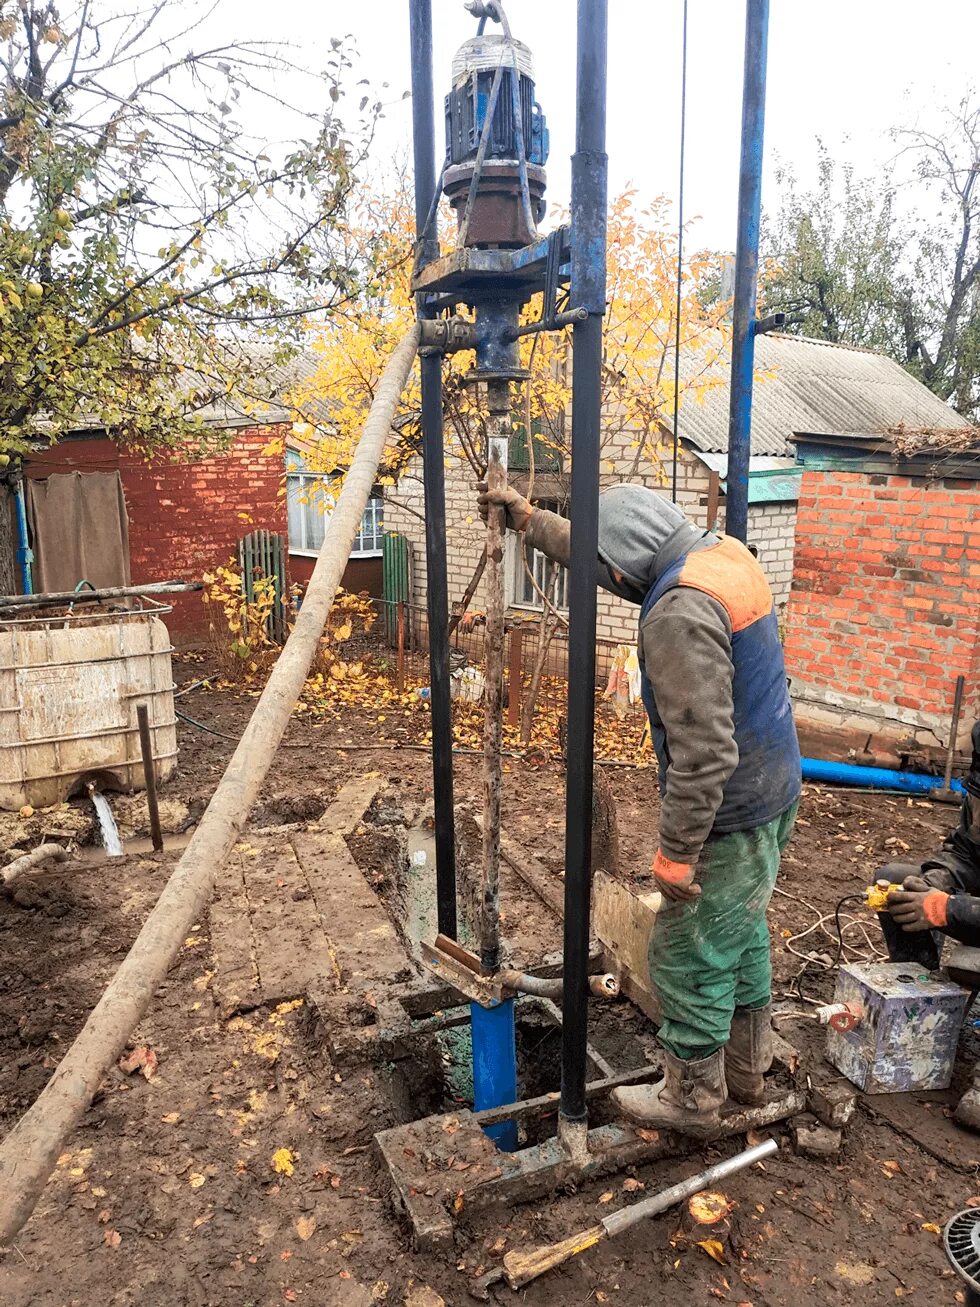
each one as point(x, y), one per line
point(884, 611)
point(802, 385)
point(178, 516)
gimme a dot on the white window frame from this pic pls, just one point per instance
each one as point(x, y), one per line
point(370, 535)
point(522, 595)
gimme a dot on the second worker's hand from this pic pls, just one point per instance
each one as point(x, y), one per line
point(517, 509)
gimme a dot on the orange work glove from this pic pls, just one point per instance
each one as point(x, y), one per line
point(675, 880)
point(916, 910)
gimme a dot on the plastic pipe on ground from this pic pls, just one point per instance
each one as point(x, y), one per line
point(873, 778)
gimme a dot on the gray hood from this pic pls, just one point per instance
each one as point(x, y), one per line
point(634, 526)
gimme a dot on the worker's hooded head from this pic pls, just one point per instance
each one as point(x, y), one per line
point(640, 534)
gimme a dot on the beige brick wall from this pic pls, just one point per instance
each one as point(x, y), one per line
point(771, 528)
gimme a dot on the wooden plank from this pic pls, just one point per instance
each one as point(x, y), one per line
point(545, 883)
point(350, 804)
point(236, 977)
point(290, 945)
point(624, 922)
point(364, 946)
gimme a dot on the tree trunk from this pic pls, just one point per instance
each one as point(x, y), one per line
point(9, 581)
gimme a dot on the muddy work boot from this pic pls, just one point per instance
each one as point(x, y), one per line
point(688, 1099)
point(748, 1055)
point(968, 1108)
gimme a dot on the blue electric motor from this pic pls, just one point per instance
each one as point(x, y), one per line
point(498, 217)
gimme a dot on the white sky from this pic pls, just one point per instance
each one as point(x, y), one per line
point(844, 70)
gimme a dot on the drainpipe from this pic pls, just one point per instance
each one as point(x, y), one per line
point(746, 269)
point(25, 555)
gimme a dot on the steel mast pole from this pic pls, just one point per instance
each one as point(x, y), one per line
point(433, 476)
point(746, 268)
point(588, 290)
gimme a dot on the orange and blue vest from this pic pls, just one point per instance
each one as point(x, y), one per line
point(766, 781)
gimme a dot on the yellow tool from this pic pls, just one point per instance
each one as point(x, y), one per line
point(876, 895)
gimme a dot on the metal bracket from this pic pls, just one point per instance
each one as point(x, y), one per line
point(456, 966)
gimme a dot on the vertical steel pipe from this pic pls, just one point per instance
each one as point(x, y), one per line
point(588, 290)
point(746, 268)
point(433, 476)
point(498, 449)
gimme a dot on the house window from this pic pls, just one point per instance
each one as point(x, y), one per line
point(309, 504)
point(524, 594)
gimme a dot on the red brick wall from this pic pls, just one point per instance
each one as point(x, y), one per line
point(885, 606)
point(184, 516)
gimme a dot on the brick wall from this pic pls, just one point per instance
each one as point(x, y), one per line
point(885, 603)
point(771, 529)
point(185, 516)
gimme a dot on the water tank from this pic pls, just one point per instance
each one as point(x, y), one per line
point(69, 688)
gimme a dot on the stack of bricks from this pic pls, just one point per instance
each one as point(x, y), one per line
point(884, 611)
point(187, 517)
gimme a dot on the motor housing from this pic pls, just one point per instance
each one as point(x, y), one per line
point(497, 217)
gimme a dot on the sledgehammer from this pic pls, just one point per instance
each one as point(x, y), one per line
point(521, 1266)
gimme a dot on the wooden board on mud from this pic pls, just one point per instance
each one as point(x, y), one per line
point(292, 908)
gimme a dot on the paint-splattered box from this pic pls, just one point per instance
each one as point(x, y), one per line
point(908, 1032)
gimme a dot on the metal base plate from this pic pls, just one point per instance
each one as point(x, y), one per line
point(444, 1164)
point(467, 271)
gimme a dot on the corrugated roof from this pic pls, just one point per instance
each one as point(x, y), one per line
point(816, 386)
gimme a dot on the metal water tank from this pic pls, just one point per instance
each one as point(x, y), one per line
point(69, 687)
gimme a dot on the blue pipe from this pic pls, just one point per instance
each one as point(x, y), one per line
point(495, 1066)
point(873, 778)
point(746, 269)
point(25, 556)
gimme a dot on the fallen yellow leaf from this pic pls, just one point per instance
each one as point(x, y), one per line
point(196, 1180)
point(282, 1161)
point(306, 1227)
point(171, 1118)
point(607, 1197)
point(714, 1250)
point(932, 1227)
point(709, 1208)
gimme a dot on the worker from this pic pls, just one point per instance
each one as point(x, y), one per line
point(942, 894)
point(715, 689)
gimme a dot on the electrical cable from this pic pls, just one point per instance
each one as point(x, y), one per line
point(680, 260)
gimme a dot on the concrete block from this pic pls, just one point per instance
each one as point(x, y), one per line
point(834, 1103)
point(811, 1138)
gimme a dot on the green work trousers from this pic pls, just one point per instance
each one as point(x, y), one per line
point(710, 955)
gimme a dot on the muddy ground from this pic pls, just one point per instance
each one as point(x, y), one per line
point(169, 1194)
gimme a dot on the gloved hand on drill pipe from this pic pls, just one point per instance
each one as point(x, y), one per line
point(675, 880)
point(516, 508)
point(918, 906)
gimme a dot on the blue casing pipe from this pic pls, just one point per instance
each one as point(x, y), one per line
point(873, 778)
point(25, 556)
point(495, 1066)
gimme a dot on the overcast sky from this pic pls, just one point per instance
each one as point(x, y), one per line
point(844, 70)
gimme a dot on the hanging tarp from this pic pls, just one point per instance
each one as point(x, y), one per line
point(80, 530)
